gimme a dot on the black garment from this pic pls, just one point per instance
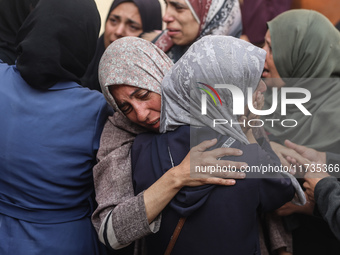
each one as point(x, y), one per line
point(151, 15)
point(53, 47)
point(338, 25)
point(220, 220)
point(12, 14)
point(305, 227)
point(327, 198)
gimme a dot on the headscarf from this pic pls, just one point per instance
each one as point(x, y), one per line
point(151, 15)
point(53, 47)
point(305, 44)
point(149, 10)
point(135, 62)
point(216, 17)
point(12, 14)
point(211, 60)
point(132, 61)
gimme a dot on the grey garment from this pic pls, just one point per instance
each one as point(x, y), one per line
point(327, 198)
point(332, 158)
point(113, 185)
point(211, 60)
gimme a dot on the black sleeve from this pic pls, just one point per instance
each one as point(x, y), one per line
point(327, 198)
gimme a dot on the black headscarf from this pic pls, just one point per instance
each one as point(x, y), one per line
point(149, 10)
point(57, 42)
point(12, 14)
point(151, 16)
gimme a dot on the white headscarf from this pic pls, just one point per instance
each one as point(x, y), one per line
point(211, 60)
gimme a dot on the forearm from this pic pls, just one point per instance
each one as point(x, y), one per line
point(126, 223)
point(159, 194)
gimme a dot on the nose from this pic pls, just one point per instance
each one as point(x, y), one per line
point(120, 31)
point(168, 17)
point(142, 114)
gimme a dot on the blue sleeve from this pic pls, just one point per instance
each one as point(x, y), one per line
point(103, 113)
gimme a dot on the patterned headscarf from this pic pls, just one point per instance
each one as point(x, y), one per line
point(211, 60)
point(135, 62)
point(216, 17)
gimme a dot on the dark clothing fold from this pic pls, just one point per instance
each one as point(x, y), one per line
point(218, 218)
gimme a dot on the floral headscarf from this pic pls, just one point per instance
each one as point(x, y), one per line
point(216, 17)
point(211, 60)
point(135, 62)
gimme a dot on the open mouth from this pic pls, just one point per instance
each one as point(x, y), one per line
point(153, 123)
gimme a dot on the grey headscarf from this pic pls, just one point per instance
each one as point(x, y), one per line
point(211, 60)
point(132, 61)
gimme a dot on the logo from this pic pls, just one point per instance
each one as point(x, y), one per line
point(204, 96)
point(239, 104)
point(238, 99)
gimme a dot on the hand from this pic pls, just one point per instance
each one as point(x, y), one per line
point(307, 153)
point(199, 158)
point(286, 154)
point(290, 208)
point(311, 179)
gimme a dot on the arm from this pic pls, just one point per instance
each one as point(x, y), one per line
point(121, 217)
point(327, 198)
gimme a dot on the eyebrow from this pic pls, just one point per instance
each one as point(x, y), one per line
point(135, 92)
point(177, 4)
point(120, 105)
point(128, 20)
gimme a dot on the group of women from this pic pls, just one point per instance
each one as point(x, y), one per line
point(55, 130)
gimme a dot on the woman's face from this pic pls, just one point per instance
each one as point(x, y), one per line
point(270, 73)
point(141, 106)
point(124, 20)
point(180, 22)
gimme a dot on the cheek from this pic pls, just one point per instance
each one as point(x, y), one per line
point(190, 31)
point(156, 103)
point(133, 33)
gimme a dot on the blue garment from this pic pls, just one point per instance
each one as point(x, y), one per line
point(49, 141)
point(220, 220)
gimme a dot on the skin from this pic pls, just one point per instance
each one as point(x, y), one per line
point(143, 108)
point(180, 22)
point(298, 155)
point(270, 74)
point(309, 156)
point(123, 21)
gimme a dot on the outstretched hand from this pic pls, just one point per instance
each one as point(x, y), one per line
point(306, 154)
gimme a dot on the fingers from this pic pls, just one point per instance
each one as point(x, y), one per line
point(228, 175)
point(204, 145)
point(298, 148)
point(284, 162)
point(216, 181)
point(221, 152)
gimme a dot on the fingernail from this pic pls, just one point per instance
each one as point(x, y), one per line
point(239, 152)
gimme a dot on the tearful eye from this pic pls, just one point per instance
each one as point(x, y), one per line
point(143, 95)
point(125, 108)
